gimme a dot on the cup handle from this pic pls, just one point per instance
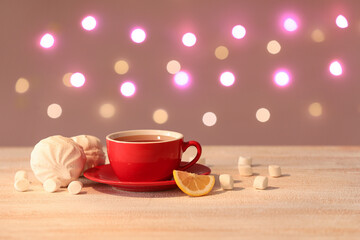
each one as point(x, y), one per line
point(192, 162)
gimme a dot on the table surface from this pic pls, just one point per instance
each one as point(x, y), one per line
point(318, 197)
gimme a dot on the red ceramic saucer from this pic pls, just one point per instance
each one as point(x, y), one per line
point(105, 174)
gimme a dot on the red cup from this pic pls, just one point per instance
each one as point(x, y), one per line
point(147, 155)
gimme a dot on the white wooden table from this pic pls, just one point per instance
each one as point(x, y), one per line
point(317, 198)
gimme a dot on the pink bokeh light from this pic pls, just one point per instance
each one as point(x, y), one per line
point(335, 68)
point(189, 39)
point(227, 79)
point(290, 24)
point(88, 23)
point(128, 89)
point(282, 78)
point(182, 79)
point(341, 22)
point(77, 80)
point(238, 32)
point(47, 41)
point(138, 35)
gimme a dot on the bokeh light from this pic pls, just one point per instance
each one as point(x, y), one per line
point(88, 23)
point(290, 25)
point(128, 89)
point(173, 67)
point(221, 52)
point(182, 79)
point(189, 39)
point(77, 79)
point(282, 78)
point(160, 116)
point(227, 79)
point(121, 67)
point(341, 21)
point(209, 119)
point(335, 68)
point(315, 109)
point(47, 41)
point(22, 85)
point(238, 32)
point(107, 110)
point(263, 115)
point(66, 79)
point(318, 36)
point(54, 110)
point(273, 47)
point(138, 35)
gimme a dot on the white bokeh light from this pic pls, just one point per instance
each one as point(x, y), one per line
point(341, 21)
point(88, 23)
point(181, 79)
point(128, 89)
point(77, 79)
point(335, 68)
point(189, 39)
point(54, 110)
point(238, 32)
point(173, 66)
point(290, 25)
point(47, 41)
point(138, 35)
point(227, 79)
point(282, 78)
point(263, 115)
point(209, 119)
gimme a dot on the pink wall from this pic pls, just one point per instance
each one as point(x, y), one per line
point(24, 118)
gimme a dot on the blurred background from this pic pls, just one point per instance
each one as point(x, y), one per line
point(221, 72)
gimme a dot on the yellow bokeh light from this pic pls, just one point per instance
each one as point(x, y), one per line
point(318, 36)
point(315, 109)
point(262, 115)
point(173, 66)
point(107, 110)
point(221, 52)
point(121, 67)
point(273, 47)
point(160, 116)
point(22, 85)
point(66, 79)
point(54, 110)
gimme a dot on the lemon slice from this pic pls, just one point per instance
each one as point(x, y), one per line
point(193, 184)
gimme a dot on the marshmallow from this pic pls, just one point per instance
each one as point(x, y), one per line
point(22, 183)
point(75, 187)
point(261, 182)
point(51, 185)
point(274, 171)
point(245, 170)
point(21, 174)
point(226, 181)
point(245, 161)
point(57, 157)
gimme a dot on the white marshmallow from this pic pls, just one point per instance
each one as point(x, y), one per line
point(245, 170)
point(22, 185)
point(261, 182)
point(51, 185)
point(274, 171)
point(21, 174)
point(245, 161)
point(226, 181)
point(75, 187)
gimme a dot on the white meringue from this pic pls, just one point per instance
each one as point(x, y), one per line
point(57, 157)
point(93, 149)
